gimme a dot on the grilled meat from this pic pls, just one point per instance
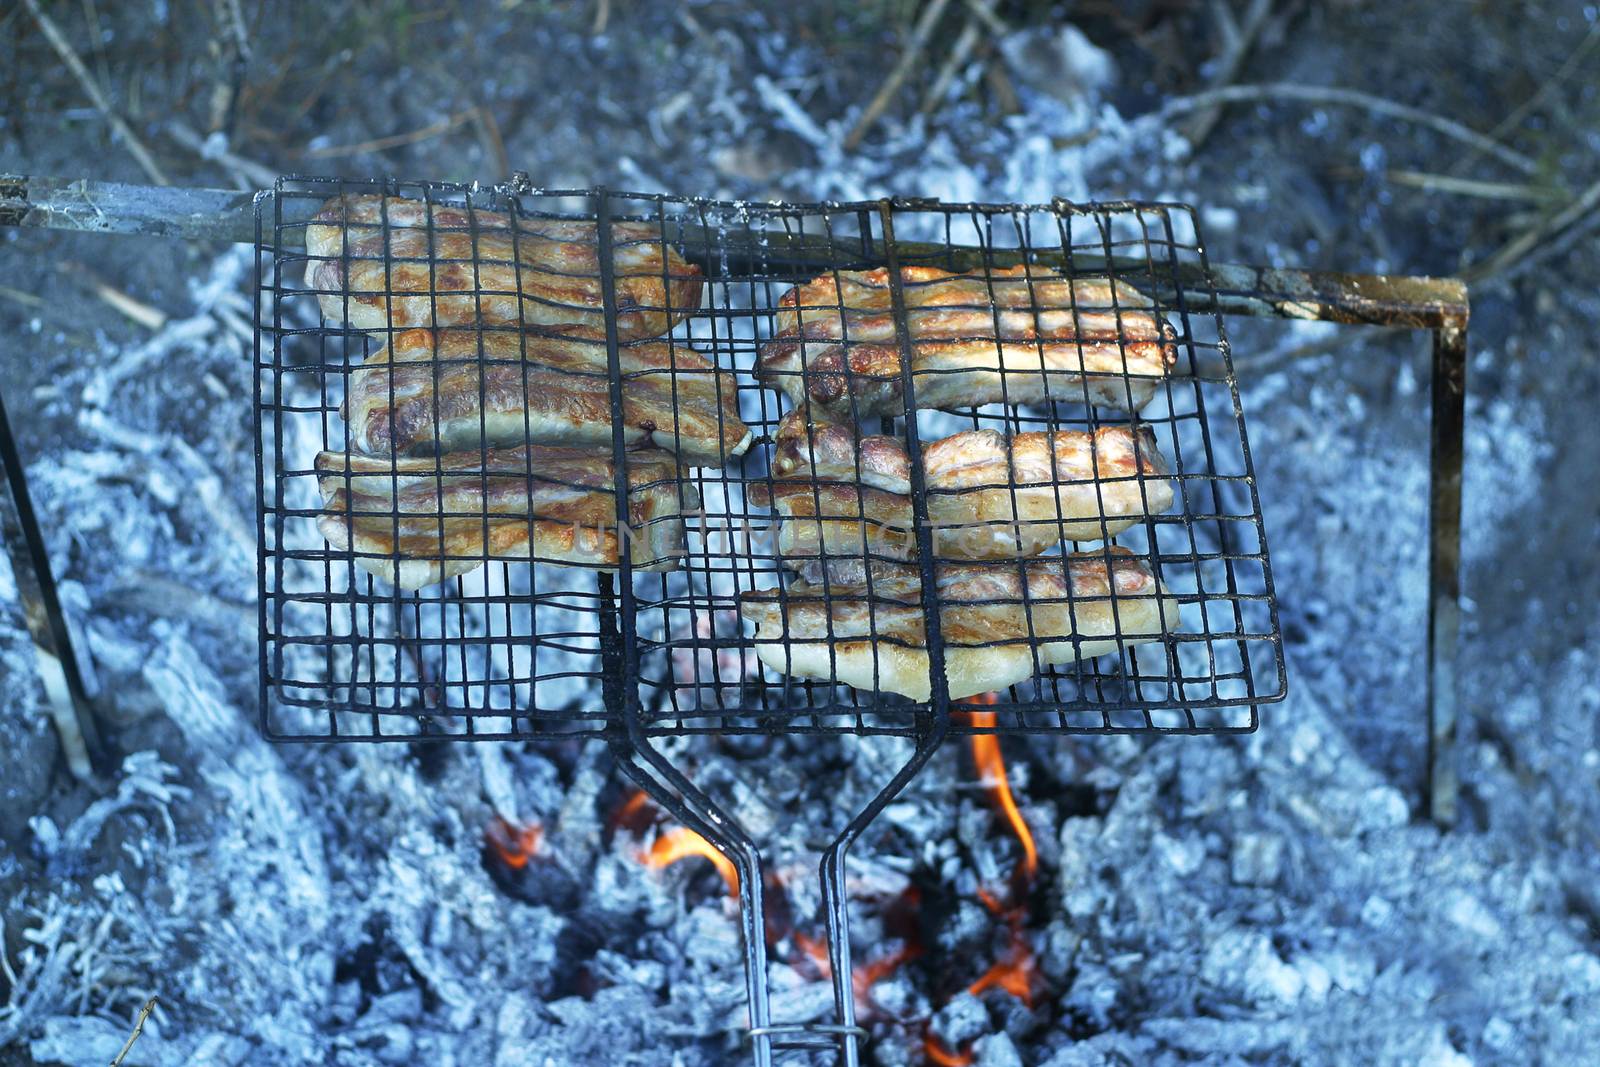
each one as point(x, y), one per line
point(414, 521)
point(1001, 624)
point(1019, 335)
point(989, 496)
point(374, 262)
point(440, 391)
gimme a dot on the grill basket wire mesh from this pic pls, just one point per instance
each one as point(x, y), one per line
point(514, 649)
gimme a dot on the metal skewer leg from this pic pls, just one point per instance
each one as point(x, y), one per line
point(930, 735)
point(684, 802)
point(1447, 448)
point(41, 608)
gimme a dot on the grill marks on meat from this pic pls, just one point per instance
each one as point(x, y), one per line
point(437, 391)
point(1001, 623)
point(414, 521)
point(1017, 335)
point(374, 262)
point(990, 496)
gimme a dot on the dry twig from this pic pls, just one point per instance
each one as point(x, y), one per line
point(971, 35)
point(1447, 183)
point(1319, 94)
point(1278, 359)
point(1540, 95)
point(232, 50)
point(383, 144)
point(247, 173)
point(493, 144)
point(138, 1028)
point(891, 85)
point(1005, 94)
point(135, 310)
point(1559, 230)
point(26, 299)
point(64, 49)
point(1237, 41)
point(984, 11)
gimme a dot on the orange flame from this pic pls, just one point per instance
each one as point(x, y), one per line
point(992, 769)
point(515, 845)
point(938, 1054)
point(1013, 973)
point(680, 843)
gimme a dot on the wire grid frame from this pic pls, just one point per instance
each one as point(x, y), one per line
point(518, 648)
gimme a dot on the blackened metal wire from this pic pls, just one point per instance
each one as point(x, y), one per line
point(519, 650)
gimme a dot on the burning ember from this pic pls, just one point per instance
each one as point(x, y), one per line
point(514, 844)
point(1014, 971)
point(863, 976)
point(672, 845)
point(942, 1056)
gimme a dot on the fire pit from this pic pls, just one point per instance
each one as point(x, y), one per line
point(648, 660)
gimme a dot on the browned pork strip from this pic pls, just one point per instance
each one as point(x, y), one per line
point(990, 496)
point(995, 619)
point(414, 521)
point(1018, 335)
point(462, 390)
point(382, 263)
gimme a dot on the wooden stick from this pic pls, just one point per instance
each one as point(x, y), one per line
point(1319, 94)
point(138, 1028)
point(891, 85)
point(1233, 289)
point(63, 47)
